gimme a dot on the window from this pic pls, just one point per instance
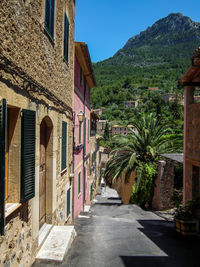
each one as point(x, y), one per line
point(79, 183)
point(79, 133)
point(81, 74)
point(64, 146)
point(68, 204)
point(14, 189)
point(49, 17)
point(66, 37)
point(28, 155)
point(88, 130)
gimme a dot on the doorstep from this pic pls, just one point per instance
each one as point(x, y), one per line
point(43, 233)
point(57, 244)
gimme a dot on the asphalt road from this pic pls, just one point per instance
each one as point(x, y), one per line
point(124, 235)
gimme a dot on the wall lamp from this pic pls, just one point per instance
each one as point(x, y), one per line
point(80, 116)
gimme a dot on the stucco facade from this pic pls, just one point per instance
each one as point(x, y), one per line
point(34, 76)
point(191, 166)
point(84, 81)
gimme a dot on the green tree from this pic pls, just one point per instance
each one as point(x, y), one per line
point(141, 146)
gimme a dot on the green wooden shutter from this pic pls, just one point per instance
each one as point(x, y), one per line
point(68, 201)
point(64, 146)
point(88, 130)
point(49, 16)
point(79, 183)
point(84, 138)
point(27, 155)
point(79, 133)
point(66, 37)
point(3, 124)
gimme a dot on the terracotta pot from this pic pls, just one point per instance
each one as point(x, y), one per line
point(187, 227)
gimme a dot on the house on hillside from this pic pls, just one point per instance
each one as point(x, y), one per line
point(119, 129)
point(153, 88)
point(191, 82)
point(36, 122)
point(99, 111)
point(84, 80)
point(131, 104)
point(101, 124)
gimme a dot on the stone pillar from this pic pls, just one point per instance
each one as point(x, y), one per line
point(188, 100)
point(164, 185)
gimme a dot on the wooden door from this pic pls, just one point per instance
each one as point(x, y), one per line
point(42, 183)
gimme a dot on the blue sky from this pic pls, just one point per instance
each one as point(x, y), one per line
point(106, 25)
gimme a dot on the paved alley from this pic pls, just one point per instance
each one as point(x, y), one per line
point(112, 234)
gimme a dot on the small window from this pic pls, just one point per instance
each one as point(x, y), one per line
point(68, 204)
point(88, 130)
point(79, 183)
point(49, 17)
point(66, 37)
point(79, 133)
point(64, 146)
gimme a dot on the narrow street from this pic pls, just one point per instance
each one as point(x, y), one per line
point(112, 234)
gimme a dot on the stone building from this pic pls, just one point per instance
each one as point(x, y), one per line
point(101, 124)
point(84, 81)
point(94, 155)
point(36, 122)
point(191, 166)
point(119, 129)
point(131, 104)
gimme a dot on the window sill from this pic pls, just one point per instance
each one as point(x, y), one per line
point(11, 207)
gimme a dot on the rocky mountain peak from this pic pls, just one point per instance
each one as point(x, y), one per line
point(173, 29)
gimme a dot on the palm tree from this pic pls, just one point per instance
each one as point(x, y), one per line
point(151, 137)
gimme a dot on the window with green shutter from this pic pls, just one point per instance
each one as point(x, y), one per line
point(88, 130)
point(3, 124)
point(27, 155)
point(64, 146)
point(68, 204)
point(49, 17)
point(66, 37)
point(84, 137)
point(79, 183)
point(79, 139)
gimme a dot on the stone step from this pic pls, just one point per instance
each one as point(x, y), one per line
point(43, 233)
point(57, 244)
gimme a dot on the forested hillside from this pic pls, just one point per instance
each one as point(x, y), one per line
point(157, 57)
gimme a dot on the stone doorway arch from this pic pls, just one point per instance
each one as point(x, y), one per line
point(46, 171)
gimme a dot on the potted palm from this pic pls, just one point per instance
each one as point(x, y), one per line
point(186, 221)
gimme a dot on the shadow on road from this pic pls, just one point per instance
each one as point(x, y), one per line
point(108, 204)
point(114, 198)
point(180, 251)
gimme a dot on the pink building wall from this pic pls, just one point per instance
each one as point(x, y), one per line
point(78, 155)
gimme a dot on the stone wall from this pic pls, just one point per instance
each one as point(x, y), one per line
point(164, 185)
point(124, 189)
point(25, 42)
point(27, 49)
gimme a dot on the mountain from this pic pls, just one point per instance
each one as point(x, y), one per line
point(157, 57)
